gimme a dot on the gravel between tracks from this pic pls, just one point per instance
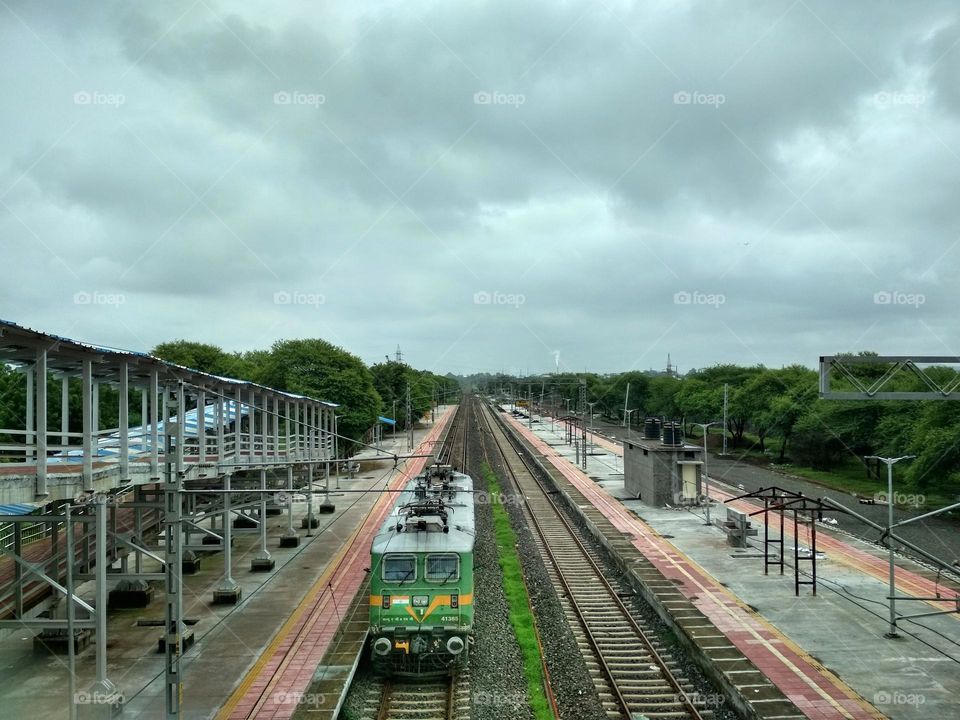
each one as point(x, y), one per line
point(572, 687)
point(497, 683)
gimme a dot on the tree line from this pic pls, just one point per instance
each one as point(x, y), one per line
point(776, 412)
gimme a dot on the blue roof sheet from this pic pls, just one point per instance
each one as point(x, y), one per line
point(17, 509)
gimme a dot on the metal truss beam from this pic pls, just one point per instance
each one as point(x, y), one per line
point(844, 367)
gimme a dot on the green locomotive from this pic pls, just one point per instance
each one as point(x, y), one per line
point(421, 577)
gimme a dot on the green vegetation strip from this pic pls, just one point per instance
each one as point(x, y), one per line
point(521, 618)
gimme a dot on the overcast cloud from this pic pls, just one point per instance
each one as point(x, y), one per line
point(486, 183)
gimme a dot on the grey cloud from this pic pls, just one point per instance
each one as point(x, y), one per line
point(381, 184)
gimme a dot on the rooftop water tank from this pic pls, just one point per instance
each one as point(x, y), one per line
point(651, 428)
point(672, 434)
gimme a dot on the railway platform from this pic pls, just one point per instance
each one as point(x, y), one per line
point(826, 653)
point(307, 647)
point(264, 644)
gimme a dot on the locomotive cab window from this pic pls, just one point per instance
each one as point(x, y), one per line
point(443, 567)
point(399, 568)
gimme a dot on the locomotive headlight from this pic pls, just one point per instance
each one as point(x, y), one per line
point(454, 601)
point(385, 603)
point(421, 600)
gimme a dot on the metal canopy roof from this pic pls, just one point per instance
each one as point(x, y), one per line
point(19, 345)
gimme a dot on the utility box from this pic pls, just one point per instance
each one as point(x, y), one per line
point(660, 473)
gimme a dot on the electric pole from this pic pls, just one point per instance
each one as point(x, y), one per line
point(626, 401)
point(409, 420)
point(583, 423)
point(890, 462)
point(725, 388)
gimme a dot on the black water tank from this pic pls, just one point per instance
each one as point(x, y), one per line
point(651, 429)
point(672, 434)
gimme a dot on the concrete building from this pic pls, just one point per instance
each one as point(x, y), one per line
point(663, 473)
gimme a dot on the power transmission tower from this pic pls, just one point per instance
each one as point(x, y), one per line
point(399, 355)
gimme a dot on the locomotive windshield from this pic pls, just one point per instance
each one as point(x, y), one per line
point(399, 568)
point(442, 567)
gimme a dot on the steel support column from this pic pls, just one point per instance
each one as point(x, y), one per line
point(309, 500)
point(71, 632)
point(221, 427)
point(124, 402)
point(65, 411)
point(41, 372)
point(87, 425)
point(263, 560)
point(229, 591)
point(202, 430)
point(290, 537)
point(30, 424)
point(173, 561)
point(237, 435)
point(105, 696)
point(155, 423)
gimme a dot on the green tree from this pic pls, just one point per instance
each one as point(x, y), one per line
point(198, 356)
point(700, 401)
point(324, 371)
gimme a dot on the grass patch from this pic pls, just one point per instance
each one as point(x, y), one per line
point(521, 618)
point(849, 477)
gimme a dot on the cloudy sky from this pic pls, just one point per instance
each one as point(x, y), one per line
point(492, 185)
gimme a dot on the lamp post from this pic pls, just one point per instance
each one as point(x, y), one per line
point(890, 462)
point(706, 477)
point(628, 421)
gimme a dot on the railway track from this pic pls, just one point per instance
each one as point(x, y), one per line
point(445, 698)
point(632, 674)
point(454, 449)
